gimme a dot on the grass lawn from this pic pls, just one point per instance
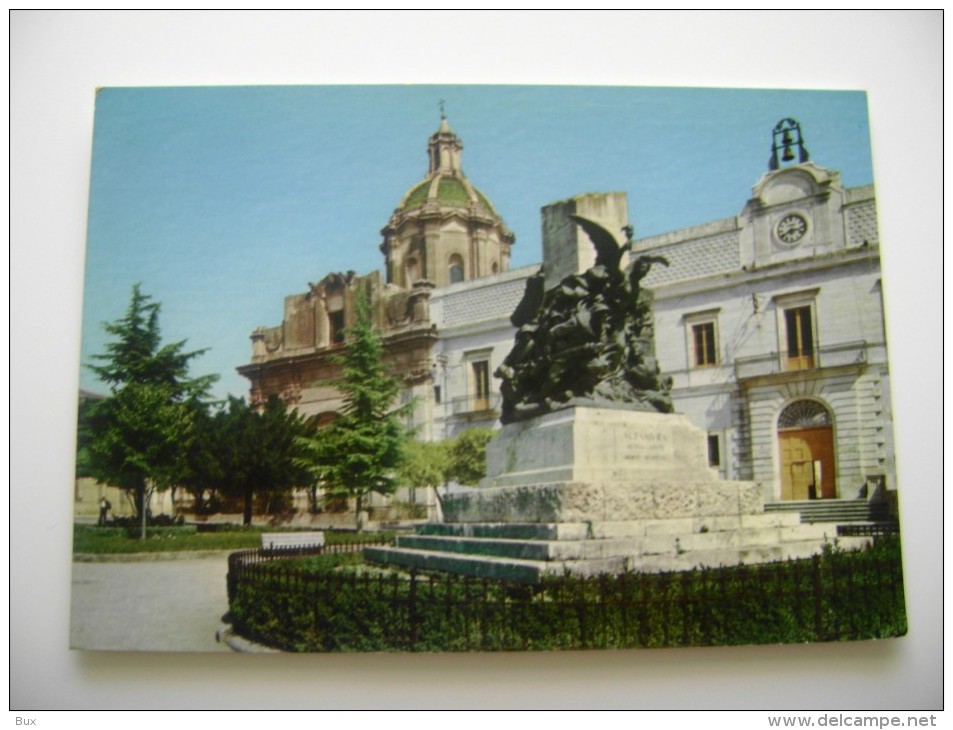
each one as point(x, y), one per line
point(92, 539)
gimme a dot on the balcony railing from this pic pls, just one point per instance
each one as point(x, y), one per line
point(849, 353)
point(472, 404)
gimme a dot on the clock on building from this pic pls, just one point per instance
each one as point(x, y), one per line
point(792, 228)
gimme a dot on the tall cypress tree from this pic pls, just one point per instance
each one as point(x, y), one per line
point(360, 451)
point(136, 437)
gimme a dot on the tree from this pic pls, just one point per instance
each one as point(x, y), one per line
point(426, 464)
point(204, 471)
point(467, 455)
point(359, 452)
point(136, 437)
point(257, 450)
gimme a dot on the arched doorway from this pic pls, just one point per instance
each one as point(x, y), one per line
point(806, 444)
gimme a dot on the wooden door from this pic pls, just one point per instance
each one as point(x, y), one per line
point(807, 463)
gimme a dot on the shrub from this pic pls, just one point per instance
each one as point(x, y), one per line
point(330, 603)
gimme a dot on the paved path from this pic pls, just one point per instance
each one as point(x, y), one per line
point(166, 605)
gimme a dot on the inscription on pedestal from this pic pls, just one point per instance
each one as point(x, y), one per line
point(644, 448)
point(596, 445)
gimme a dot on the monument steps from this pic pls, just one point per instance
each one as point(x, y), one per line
point(531, 571)
point(547, 550)
point(833, 510)
point(509, 530)
point(633, 492)
point(482, 566)
point(611, 529)
point(594, 541)
point(455, 548)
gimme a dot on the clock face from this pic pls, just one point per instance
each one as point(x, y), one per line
point(792, 228)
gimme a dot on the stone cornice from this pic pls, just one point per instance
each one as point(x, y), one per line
point(854, 256)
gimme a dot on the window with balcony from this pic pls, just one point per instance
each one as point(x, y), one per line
point(799, 338)
point(480, 385)
point(797, 330)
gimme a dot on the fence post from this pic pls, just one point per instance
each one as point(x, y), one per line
point(412, 608)
point(483, 626)
point(818, 598)
point(684, 585)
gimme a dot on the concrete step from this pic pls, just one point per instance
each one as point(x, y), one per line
point(831, 510)
point(607, 530)
point(653, 544)
point(693, 525)
point(509, 531)
point(742, 539)
point(480, 566)
point(530, 571)
point(518, 549)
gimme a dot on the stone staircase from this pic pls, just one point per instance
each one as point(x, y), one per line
point(833, 510)
point(529, 551)
point(590, 489)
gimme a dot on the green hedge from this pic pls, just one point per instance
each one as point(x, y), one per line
point(322, 604)
point(111, 540)
point(136, 532)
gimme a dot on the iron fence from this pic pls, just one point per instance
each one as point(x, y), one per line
point(836, 596)
point(241, 564)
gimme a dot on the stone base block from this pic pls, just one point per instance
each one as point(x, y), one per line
point(648, 498)
point(597, 445)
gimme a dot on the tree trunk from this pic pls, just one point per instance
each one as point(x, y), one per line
point(358, 503)
point(246, 514)
point(139, 501)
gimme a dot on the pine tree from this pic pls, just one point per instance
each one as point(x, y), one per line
point(360, 451)
point(136, 438)
point(255, 450)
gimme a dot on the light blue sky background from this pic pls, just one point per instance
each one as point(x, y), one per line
point(223, 200)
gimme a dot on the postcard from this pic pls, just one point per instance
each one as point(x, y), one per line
point(483, 368)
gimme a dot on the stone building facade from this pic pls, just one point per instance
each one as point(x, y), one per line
point(444, 232)
point(771, 325)
point(769, 322)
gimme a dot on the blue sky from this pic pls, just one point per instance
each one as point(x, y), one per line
point(220, 201)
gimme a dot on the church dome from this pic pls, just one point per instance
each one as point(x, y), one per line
point(446, 186)
point(444, 229)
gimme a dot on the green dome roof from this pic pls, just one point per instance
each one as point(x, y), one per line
point(446, 186)
point(417, 197)
point(451, 192)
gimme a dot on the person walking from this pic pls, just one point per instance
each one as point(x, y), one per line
point(104, 507)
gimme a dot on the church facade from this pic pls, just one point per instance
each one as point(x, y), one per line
point(769, 322)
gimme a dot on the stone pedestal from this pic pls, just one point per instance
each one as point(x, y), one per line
point(591, 490)
point(598, 464)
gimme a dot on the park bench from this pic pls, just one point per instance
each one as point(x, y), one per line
point(291, 540)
